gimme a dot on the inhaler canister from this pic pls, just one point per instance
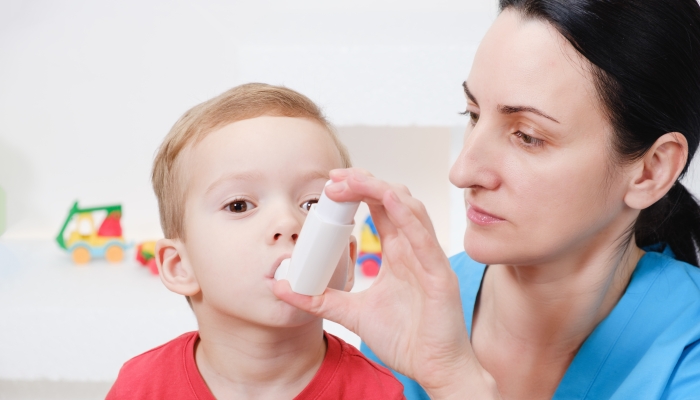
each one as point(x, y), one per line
point(321, 242)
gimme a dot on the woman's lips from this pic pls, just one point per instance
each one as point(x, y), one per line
point(480, 217)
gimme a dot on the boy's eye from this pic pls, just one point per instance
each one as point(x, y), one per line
point(307, 204)
point(239, 206)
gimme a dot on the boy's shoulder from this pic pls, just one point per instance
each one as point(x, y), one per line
point(164, 372)
point(346, 373)
point(170, 372)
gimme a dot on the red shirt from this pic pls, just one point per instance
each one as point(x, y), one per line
point(170, 372)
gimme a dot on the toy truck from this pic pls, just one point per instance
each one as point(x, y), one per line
point(84, 242)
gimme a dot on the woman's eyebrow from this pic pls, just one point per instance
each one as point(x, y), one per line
point(517, 109)
point(469, 94)
point(508, 109)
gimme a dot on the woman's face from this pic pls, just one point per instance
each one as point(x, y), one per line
point(536, 164)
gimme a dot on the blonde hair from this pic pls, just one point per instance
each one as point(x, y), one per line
point(242, 102)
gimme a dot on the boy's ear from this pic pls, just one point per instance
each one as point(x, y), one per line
point(174, 268)
point(655, 173)
point(352, 253)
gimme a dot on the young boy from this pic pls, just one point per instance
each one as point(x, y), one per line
point(235, 178)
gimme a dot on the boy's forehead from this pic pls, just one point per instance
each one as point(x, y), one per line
point(256, 145)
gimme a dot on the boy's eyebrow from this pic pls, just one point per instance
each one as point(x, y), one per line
point(236, 176)
point(315, 174)
point(256, 175)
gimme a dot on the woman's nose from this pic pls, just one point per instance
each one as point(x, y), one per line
point(477, 163)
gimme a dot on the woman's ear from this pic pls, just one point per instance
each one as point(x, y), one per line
point(174, 267)
point(352, 253)
point(656, 172)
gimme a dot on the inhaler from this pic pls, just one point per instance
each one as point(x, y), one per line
point(321, 242)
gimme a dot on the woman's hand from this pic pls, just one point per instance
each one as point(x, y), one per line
point(411, 316)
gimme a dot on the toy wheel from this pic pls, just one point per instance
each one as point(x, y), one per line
point(370, 267)
point(114, 254)
point(81, 255)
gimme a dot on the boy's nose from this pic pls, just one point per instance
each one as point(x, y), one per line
point(285, 227)
point(279, 236)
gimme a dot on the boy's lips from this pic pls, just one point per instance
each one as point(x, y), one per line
point(271, 273)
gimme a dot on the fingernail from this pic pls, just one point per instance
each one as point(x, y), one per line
point(335, 187)
point(394, 196)
point(360, 177)
point(339, 173)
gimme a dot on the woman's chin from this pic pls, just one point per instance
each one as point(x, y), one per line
point(487, 250)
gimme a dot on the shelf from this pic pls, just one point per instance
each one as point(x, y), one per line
point(67, 323)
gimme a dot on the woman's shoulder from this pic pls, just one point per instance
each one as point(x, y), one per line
point(675, 278)
point(649, 343)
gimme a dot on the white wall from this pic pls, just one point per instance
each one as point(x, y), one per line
point(418, 157)
point(88, 89)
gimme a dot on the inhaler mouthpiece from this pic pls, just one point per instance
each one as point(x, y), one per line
point(321, 242)
point(283, 269)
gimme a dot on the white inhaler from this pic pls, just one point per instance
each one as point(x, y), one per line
point(321, 242)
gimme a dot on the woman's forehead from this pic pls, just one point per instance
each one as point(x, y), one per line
point(526, 62)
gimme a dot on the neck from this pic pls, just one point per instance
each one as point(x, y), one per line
point(530, 321)
point(241, 360)
point(559, 303)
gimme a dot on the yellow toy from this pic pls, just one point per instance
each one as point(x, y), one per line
point(370, 257)
point(85, 242)
point(145, 255)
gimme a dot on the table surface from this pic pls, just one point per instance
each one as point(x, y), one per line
point(69, 323)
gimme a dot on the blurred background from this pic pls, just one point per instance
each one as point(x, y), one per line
point(88, 89)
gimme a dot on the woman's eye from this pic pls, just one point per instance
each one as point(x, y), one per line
point(473, 117)
point(528, 140)
point(307, 204)
point(239, 206)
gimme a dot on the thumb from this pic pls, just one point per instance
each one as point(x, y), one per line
point(334, 305)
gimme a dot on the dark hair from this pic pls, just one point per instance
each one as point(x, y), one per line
point(645, 57)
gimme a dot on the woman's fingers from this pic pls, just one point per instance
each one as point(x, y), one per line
point(355, 184)
point(340, 174)
point(382, 222)
point(421, 237)
point(409, 217)
point(335, 305)
point(358, 185)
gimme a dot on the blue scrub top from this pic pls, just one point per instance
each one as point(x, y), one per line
point(647, 348)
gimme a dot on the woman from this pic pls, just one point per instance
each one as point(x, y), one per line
point(583, 116)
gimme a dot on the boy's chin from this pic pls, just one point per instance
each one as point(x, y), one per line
point(285, 316)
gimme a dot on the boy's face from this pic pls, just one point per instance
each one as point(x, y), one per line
point(249, 187)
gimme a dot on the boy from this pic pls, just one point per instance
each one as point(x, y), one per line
point(235, 178)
